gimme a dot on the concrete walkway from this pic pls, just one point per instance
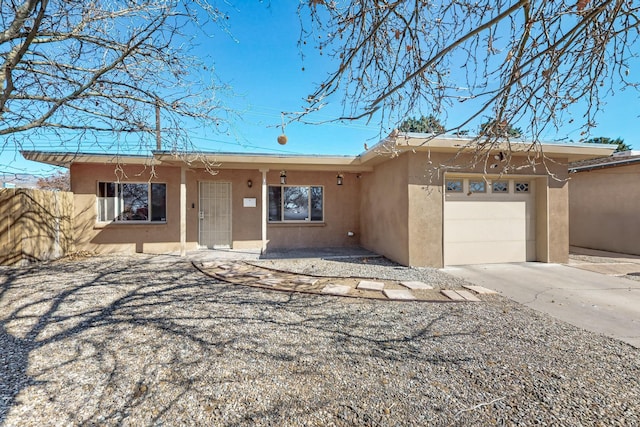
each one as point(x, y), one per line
point(598, 302)
point(605, 262)
point(254, 254)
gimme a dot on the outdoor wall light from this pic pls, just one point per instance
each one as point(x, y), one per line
point(249, 183)
point(339, 179)
point(283, 177)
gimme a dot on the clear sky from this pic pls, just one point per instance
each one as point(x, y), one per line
point(261, 62)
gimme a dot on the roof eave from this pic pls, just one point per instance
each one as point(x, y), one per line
point(401, 142)
point(66, 159)
point(265, 161)
point(214, 160)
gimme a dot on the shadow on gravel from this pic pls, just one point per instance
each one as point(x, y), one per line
point(13, 370)
point(147, 336)
point(145, 340)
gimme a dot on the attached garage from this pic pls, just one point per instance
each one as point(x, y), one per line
point(489, 220)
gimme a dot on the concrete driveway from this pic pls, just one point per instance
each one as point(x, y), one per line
point(601, 303)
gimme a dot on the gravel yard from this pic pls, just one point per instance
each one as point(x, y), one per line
point(143, 340)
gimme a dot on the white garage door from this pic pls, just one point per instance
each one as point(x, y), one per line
point(489, 221)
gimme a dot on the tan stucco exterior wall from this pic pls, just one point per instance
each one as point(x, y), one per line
point(542, 219)
point(396, 210)
point(558, 211)
point(384, 210)
point(341, 210)
point(402, 208)
point(118, 237)
point(425, 211)
point(604, 206)
point(245, 225)
point(341, 213)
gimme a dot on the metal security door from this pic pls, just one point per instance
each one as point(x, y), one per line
point(215, 215)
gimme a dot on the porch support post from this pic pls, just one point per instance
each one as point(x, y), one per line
point(183, 211)
point(264, 202)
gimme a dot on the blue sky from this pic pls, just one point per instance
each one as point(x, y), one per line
point(261, 62)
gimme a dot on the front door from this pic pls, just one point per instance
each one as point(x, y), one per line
point(215, 215)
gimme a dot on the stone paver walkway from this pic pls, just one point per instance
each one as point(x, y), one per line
point(242, 273)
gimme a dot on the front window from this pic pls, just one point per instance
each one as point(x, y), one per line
point(127, 202)
point(296, 203)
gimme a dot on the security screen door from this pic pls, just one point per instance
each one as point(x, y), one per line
point(215, 215)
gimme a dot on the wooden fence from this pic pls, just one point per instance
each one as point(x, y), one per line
point(35, 225)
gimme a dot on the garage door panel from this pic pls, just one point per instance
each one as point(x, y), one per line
point(486, 230)
point(485, 252)
point(489, 228)
point(486, 210)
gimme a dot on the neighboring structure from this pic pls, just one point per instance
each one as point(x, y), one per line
point(406, 205)
point(18, 180)
point(604, 203)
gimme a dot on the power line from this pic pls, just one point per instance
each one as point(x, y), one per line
point(276, 150)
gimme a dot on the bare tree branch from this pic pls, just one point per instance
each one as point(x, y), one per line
point(532, 64)
point(100, 66)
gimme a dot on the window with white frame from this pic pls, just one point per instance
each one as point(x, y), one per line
point(454, 186)
point(290, 203)
point(477, 187)
point(132, 202)
point(522, 187)
point(500, 187)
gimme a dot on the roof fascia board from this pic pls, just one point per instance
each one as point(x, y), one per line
point(65, 159)
point(219, 161)
point(396, 144)
point(258, 161)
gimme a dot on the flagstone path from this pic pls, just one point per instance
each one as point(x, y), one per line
point(242, 273)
